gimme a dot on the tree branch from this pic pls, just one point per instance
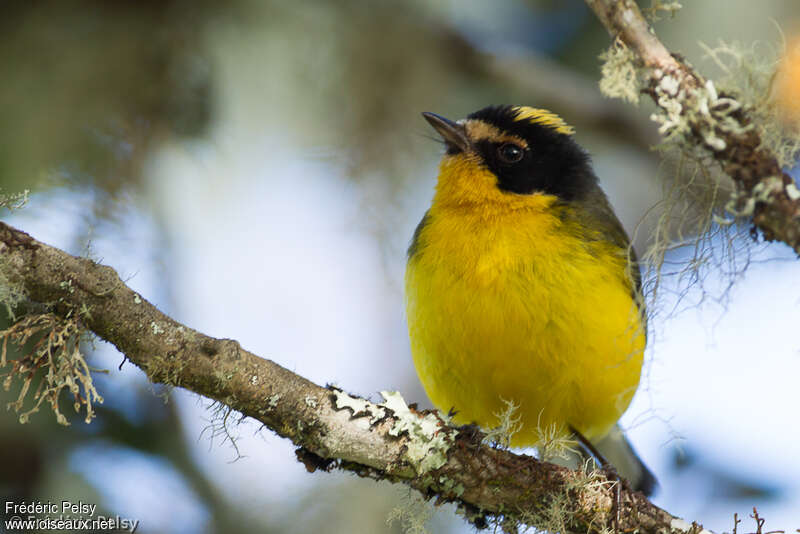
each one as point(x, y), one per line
point(387, 441)
point(717, 123)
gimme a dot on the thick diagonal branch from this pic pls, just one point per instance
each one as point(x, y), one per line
point(331, 428)
point(715, 123)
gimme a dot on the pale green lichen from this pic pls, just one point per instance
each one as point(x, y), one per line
point(53, 357)
point(310, 401)
point(412, 515)
point(750, 73)
point(555, 444)
point(744, 204)
point(554, 441)
point(686, 110)
point(360, 407)
point(656, 6)
point(428, 441)
point(156, 328)
point(557, 513)
point(767, 187)
point(272, 402)
point(11, 294)
point(510, 424)
point(619, 76)
point(679, 525)
point(451, 486)
point(66, 285)
point(14, 201)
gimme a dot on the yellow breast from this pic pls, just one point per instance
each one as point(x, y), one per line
point(509, 303)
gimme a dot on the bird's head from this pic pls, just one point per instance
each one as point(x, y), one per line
point(512, 156)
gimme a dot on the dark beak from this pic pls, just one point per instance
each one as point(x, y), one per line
point(453, 134)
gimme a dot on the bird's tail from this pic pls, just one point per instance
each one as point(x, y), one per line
point(616, 448)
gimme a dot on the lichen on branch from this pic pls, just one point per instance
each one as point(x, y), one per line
point(619, 77)
point(694, 114)
point(51, 359)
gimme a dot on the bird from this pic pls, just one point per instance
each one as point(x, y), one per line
point(522, 287)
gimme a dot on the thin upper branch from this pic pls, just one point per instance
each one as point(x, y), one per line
point(333, 429)
point(718, 124)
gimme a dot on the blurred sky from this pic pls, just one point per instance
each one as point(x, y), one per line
point(276, 230)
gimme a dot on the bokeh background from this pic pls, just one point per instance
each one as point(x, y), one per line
point(256, 169)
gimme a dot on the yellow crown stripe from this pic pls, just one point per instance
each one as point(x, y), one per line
point(543, 117)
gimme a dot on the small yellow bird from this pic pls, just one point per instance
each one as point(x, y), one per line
point(521, 286)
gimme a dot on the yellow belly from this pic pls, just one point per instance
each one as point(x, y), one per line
point(524, 312)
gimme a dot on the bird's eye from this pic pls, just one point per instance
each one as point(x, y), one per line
point(510, 153)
